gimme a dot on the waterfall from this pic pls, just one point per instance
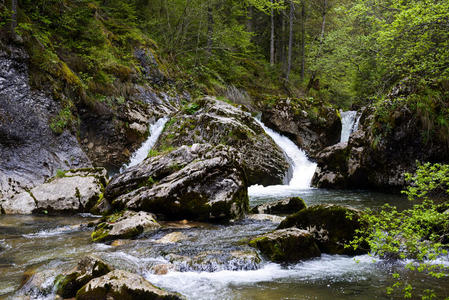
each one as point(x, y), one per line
point(349, 123)
point(303, 169)
point(142, 153)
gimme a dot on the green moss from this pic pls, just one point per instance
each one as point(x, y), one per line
point(100, 234)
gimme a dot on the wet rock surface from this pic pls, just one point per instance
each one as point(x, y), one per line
point(200, 182)
point(377, 162)
point(88, 268)
point(119, 285)
point(216, 122)
point(30, 151)
point(280, 207)
point(126, 225)
point(287, 245)
point(332, 226)
point(71, 192)
point(310, 129)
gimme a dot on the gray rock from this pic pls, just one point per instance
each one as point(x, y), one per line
point(120, 284)
point(280, 207)
point(125, 225)
point(76, 191)
point(30, 151)
point(310, 133)
point(201, 182)
point(266, 217)
point(216, 122)
point(332, 226)
point(88, 268)
point(287, 245)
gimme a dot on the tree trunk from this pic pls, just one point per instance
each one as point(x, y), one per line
point(290, 40)
point(249, 19)
point(210, 30)
point(272, 38)
point(323, 25)
point(13, 16)
point(303, 33)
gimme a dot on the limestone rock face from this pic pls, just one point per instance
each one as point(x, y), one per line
point(88, 268)
point(377, 162)
point(120, 284)
point(329, 224)
point(126, 225)
point(287, 245)
point(294, 119)
point(75, 191)
point(216, 122)
point(201, 182)
point(30, 151)
point(280, 207)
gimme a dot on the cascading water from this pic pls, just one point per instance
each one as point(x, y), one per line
point(142, 153)
point(349, 123)
point(303, 170)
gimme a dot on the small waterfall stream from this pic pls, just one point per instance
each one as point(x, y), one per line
point(349, 123)
point(303, 169)
point(142, 153)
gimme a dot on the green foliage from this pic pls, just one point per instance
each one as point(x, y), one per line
point(417, 233)
point(60, 173)
point(60, 122)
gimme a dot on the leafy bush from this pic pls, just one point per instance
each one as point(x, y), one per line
point(420, 233)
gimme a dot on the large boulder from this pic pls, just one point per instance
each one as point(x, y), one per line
point(287, 245)
point(216, 122)
point(88, 268)
point(69, 192)
point(332, 226)
point(201, 182)
point(118, 285)
point(311, 125)
point(280, 207)
point(124, 225)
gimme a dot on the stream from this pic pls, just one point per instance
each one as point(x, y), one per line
point(208, 261)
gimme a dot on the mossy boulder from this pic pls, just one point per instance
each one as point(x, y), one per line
point(88, 268)
point(124, 225)
point(122, 285)
point(201, 182)
point(332, 226)
point(280, 207)
point(216, 122)
point(287, 245)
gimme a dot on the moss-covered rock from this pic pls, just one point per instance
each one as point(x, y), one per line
point(89, 267)
point(280, 207)
point(332, 226)
point(122, 285)
point(216, 122)
point(287, 245)
point(124, 225)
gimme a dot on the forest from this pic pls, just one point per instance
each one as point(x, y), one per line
point(249, 149)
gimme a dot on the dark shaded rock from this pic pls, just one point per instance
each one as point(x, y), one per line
point(311, 126)
point(201, 182)
point(332, 226)
point(73, 191)
point(216, 122)
point(30, 151)
point(287, 245)
point(88, 268)
point(125, 225)
point(378, 162)
point(280, 207)
point(122, 285)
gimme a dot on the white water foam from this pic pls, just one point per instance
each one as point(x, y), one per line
point(349, 123)
point(303, 169)
point(52, 232)
point(142, 153)
point(216, 285)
